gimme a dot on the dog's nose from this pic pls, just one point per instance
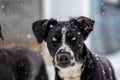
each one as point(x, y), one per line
point(63, 59)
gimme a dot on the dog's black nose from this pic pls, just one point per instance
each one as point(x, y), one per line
point(63, 58)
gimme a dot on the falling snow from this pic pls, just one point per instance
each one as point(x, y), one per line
point(103, 14)
point(102, 3)
point(51, 26)
point(32, 72)
point(21, 4)
point(79, 45)
point(103, 8)
point(78, 20)
point(13, 78)
point(3, 14)
point(86, 27)
point(103, 71)
point(109, 69)
point(96, 55)
point(2, 6)
point(79, 33)
point(111, 77)
point(29, 36)
point(97, 59)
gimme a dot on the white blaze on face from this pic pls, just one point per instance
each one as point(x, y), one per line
point(65, 46)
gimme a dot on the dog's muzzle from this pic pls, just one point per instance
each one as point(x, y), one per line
point(63, 58)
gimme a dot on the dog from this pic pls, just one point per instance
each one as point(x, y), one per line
point(21, 63)
point(71, 57)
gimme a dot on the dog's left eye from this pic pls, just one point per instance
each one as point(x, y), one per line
point(74, 38)
point(71, 37)
point(54, 39)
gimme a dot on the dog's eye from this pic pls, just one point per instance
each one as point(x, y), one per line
point(73, 38)
point(54, 39)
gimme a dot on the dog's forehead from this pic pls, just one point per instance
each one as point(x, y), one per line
point(68, 25)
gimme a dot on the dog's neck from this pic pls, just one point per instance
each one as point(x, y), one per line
point(71, 72)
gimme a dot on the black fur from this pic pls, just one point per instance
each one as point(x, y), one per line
point(96, 67)
point(40, 28)
point(21, 63)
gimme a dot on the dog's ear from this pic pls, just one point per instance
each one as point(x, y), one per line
point(41, 27)
point(85, 25)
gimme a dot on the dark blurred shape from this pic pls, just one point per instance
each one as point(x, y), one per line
point(1, 36)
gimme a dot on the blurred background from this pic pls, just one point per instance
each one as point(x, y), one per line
point(16, 17)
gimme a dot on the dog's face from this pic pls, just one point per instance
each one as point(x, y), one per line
point(64, 38)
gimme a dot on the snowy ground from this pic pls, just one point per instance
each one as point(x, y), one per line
point(115, 60)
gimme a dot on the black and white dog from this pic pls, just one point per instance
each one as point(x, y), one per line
point(71, 58)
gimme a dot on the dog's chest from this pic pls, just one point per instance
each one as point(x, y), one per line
point(71, 73)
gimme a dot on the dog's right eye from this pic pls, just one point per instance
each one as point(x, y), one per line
point(56, 38)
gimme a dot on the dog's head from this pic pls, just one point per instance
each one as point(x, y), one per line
point(64, 38)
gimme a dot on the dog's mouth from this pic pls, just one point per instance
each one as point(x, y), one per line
point(65, 64)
